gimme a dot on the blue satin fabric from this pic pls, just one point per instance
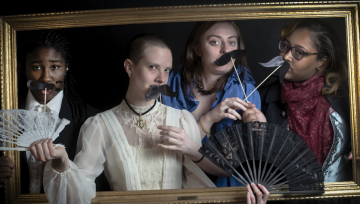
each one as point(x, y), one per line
point(232, 88)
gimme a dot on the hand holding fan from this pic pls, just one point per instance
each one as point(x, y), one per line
point(267, 154)
point(22, 127)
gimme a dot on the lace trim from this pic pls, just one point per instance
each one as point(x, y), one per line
point(150, 164)
point(152, 119)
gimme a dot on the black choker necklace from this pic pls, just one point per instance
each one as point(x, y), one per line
point(205, 92)
point(140, 123)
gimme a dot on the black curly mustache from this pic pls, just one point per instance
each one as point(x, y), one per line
point(34, 85)
point(156, 90)
point(225, 58)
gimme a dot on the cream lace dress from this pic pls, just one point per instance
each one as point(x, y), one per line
point(112, 142)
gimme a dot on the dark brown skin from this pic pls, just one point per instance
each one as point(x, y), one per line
point(45, 65)
point(6, 168)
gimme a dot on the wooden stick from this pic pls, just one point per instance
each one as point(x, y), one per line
point(45, 100)
point(239, 80)
point(263, 81)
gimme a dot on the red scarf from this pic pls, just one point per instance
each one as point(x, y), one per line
point(308, 114)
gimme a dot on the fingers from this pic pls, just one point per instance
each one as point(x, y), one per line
point(43, 150)
point(33, 149)
point(235, 103)
point(245, 104)
point(266, 193)
point(171, 140)
point(168, 147)
point(170, 128)
point(250, 198)
point(6, 168)
point(261, 196)
point(48, 148)
point(172, 132)
point(257, 192)
point(232, 114)
point(250, 105)
point(6, 162)
point(6, 172)
point(249, 115)
point(350, 157)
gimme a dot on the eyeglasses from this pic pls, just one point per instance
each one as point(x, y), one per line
point(297, 53)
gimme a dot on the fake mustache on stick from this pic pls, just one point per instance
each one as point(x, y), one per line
point(156, 90)
point(225, 58)
point(33, 85)
point(282, 65)
point(278, 61)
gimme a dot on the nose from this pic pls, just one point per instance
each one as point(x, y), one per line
point(225, 48)
point(287, 56)
point(46, 75)
point(160, 77)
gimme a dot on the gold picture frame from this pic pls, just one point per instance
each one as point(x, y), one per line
point(348, 10)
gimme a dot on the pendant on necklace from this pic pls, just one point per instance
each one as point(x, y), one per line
point(140, 123)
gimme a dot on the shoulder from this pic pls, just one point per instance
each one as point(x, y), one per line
point(341, 102)
point(98, 119)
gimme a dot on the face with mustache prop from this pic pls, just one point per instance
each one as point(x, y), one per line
point(225, 58)
point(160, 89)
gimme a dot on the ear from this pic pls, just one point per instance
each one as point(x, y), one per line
point(197, 50)
point(322, 63)
point(128, 65)
point(67, 67)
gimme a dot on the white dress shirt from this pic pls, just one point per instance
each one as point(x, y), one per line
point(36, 168)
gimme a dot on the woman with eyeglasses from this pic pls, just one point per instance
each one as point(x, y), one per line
point(313, 100)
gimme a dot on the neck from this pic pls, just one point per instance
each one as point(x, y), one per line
point(136, 99)
point(209, 80)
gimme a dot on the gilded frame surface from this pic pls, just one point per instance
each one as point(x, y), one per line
point(349, 10)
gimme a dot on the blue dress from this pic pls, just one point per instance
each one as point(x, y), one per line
point(231, 89)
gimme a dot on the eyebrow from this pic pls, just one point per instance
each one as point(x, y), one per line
point(40, 61)
point(155, 64)
point(218, 36)
point(297, 46)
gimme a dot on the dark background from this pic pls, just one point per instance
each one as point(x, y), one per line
point(98, 53)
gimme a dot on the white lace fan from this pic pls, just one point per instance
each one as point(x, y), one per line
point(22, 127)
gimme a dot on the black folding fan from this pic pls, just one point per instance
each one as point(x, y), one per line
point(266, 154)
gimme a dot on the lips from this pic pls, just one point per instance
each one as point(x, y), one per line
point(47, 91)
